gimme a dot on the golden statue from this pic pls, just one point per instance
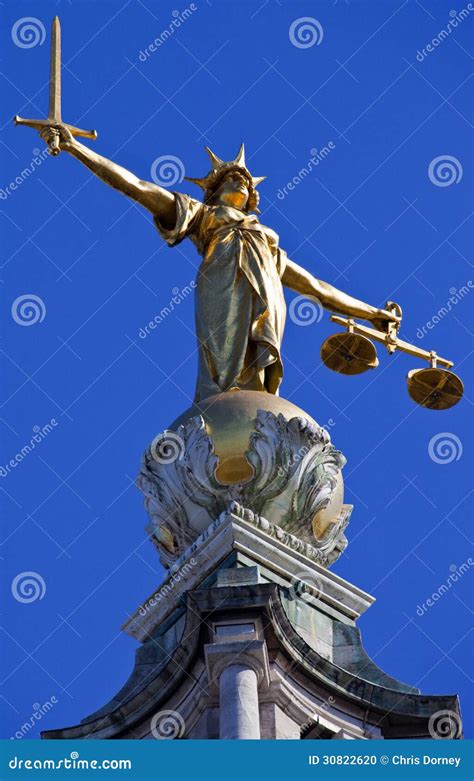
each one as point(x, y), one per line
point(240, 307)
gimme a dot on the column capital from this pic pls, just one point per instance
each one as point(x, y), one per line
point(252, 654)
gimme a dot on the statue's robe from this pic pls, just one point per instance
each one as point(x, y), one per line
point(240, 307)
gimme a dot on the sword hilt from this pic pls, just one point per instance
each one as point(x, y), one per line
point(54, 146)
point(39, 124)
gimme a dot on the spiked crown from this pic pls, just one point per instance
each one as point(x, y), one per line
point(220, 169)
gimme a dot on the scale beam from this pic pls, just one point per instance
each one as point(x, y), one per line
point(353, 352)
point(391, 343)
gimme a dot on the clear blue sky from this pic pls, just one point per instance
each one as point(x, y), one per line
point(368, 219)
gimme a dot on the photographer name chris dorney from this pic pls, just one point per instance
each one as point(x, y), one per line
point(400, 759)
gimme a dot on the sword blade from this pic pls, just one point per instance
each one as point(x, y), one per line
point(55, 72)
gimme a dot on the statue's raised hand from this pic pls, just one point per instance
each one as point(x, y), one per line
point(57, 137)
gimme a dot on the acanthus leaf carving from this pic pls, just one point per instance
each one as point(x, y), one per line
point(295, 472)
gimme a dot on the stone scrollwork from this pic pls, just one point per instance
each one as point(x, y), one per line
point(295, 470)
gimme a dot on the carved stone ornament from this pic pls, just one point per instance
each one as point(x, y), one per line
point(296, 471)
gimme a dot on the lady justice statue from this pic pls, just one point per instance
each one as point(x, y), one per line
point(252, 447)
point(240, 307)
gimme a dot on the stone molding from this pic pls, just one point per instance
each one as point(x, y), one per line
point(243, 532)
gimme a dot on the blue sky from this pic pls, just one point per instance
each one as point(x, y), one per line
point(369, 219)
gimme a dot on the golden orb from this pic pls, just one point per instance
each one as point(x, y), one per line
point(230, 420)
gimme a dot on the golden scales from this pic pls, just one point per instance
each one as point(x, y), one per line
point(353, 352)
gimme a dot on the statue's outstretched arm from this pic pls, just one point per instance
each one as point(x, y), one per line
point(298, 279)
point(156, 199)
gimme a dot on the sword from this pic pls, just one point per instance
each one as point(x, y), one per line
point(54, 112)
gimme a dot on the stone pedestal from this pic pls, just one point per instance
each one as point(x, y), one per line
point(250, 635)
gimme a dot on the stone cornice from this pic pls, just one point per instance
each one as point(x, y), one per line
point(240, 530)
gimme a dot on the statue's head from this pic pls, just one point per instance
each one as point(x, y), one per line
point(232, 189)
point(230, 183)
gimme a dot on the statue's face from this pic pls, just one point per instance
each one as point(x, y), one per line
point(233, 191)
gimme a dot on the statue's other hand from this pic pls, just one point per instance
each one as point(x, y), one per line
point(60, 132)
point(383, 318)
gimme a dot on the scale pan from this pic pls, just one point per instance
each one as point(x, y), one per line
point(434, 388)
point(348, 353)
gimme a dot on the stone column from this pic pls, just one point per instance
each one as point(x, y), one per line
point(238, 703)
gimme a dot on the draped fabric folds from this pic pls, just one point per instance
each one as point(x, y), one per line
point(240, 307)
